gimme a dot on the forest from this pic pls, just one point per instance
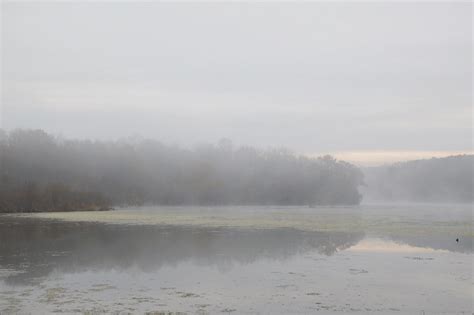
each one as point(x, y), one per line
point(41, 172)
point(448, 179)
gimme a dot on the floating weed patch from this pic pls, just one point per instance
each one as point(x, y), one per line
point(228, 310)
point(164, 313)
point(143, 299)
point(357, 271)
point(202, 305)
point(102, 287)
point(418, 258)
point(186, 294)
point(301, 218)
point(52, 294)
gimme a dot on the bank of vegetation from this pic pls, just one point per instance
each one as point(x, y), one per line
point(40, 172)
point(448, 179)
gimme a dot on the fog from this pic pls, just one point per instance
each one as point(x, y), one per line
point(40, 172)
point(158, 246)
point(276, 157)
point(43, 173)
point(433, 180)
point(315, 78)
point(233, 103)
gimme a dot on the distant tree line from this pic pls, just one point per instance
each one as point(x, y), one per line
point(40, 172)
point(447, 179)
point(31, 197)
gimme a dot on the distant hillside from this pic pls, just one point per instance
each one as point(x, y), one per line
point(447, 179)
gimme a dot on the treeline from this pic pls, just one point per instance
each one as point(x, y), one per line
point(447, 179)
point(134, 172)
point(31, 197)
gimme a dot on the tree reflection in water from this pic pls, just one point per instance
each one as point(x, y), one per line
point(37, 247)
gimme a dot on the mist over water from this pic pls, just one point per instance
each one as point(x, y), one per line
point(41, 173)
point(44, 173)
point(106, 261)
point(236, 157)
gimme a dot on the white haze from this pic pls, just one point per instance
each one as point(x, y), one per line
point(313, 77)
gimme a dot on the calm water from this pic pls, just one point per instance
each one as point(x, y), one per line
point(380, 259)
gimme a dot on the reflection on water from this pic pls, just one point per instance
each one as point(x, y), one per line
point(38, 247)
point(388, 246)
point(436, 242)
point(264, 260)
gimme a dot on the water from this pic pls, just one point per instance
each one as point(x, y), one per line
point(380, 259)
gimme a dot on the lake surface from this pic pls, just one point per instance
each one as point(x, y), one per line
point(401, 259)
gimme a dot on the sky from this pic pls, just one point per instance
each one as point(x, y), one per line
point(369, 82)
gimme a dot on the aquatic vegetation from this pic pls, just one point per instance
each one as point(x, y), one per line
point(297, 259)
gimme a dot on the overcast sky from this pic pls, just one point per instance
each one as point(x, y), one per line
point(313, 77)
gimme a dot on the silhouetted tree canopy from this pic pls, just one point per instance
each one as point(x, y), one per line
point(39, 171)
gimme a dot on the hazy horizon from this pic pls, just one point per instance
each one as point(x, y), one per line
point(317, 78)
point(169, 157)
point(359, 158)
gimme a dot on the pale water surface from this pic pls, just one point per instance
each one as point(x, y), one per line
point(400, 259)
